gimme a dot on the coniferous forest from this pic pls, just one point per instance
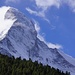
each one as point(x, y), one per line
point(12, 66)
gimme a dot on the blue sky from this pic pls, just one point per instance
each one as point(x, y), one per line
point(55, 20)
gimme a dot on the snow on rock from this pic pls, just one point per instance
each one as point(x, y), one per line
point(20, 37)
point(69, 58)
point(5, 24)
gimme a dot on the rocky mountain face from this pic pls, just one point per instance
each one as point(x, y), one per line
point(21, 41)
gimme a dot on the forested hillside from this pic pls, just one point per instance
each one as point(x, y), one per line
point(12, 66)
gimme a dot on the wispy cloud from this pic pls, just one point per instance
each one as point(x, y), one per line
point(12, 1)
point(45, 4)
point(38, 13)
point(50, 45)
point(71, 4)
point(42, 6)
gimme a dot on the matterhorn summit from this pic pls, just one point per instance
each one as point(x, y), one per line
point(18, 38)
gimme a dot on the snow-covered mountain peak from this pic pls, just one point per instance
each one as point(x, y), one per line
point(18, 38)
point(21, 34)
point(14, 13)
point(9, 17)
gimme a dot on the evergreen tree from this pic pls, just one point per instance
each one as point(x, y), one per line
point(12, 66)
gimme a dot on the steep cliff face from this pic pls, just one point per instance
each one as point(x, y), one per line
point(21, 41)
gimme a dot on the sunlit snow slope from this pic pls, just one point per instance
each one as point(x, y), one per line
point(5, 24)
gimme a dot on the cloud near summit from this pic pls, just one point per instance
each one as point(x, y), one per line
point(44, 5)
point(11, 1)
point(49, 44)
